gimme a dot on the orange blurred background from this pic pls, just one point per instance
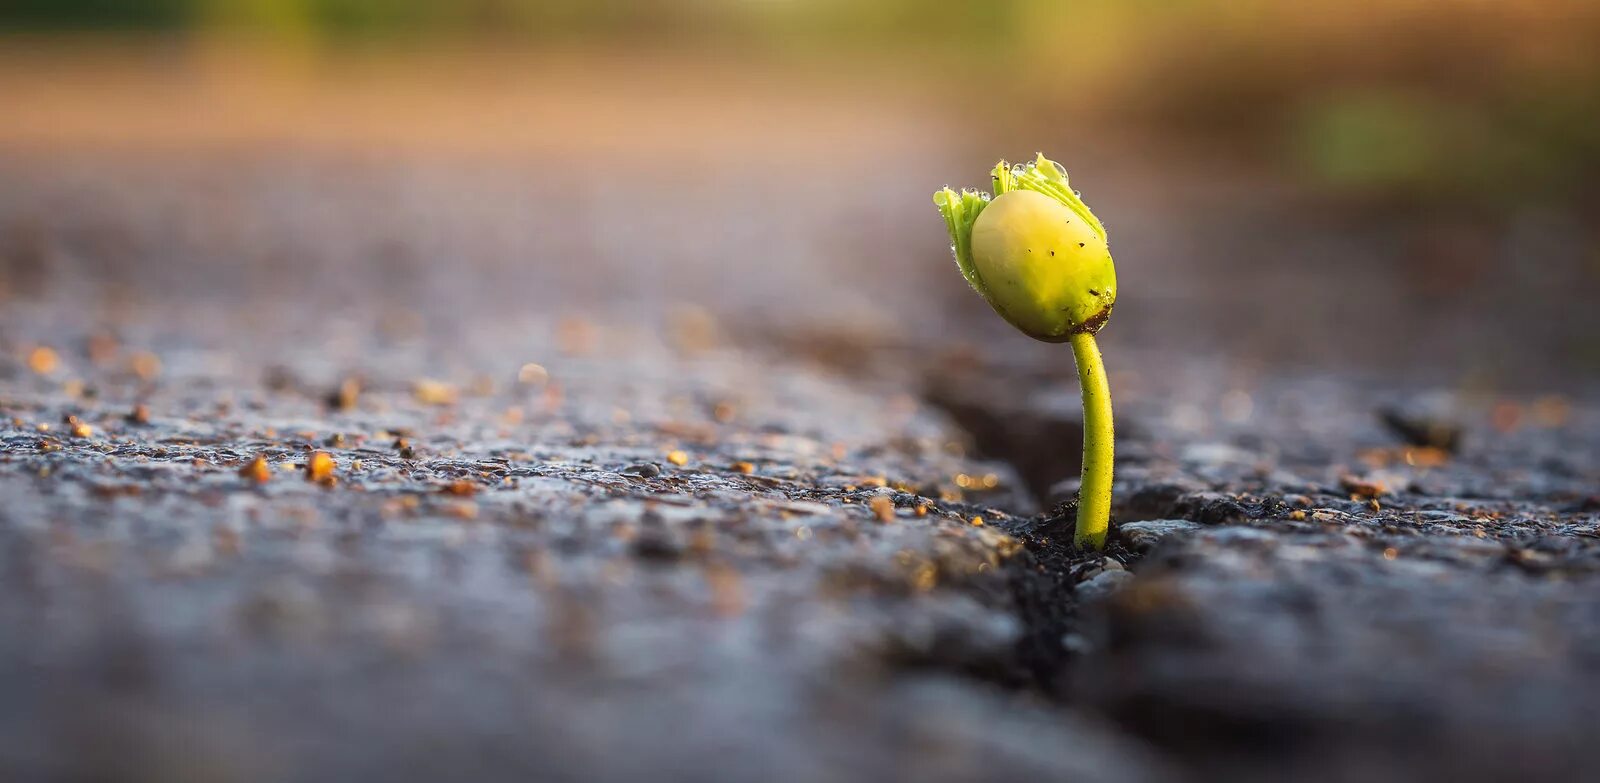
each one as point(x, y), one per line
point(1389, 184)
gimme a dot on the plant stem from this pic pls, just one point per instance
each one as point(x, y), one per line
point(1094, 492)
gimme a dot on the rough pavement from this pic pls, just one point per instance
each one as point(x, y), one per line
point(576, 529)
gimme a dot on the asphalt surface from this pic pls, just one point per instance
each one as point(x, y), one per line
point(743, 485)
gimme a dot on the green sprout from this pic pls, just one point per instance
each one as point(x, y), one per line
point(1039, 257)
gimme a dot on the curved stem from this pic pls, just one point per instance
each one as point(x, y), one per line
point(1094, 493)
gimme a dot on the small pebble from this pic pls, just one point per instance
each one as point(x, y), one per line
point(431, 392)
point(533, 375)
point(43, 360)
point(146, 365)
point(346, 396)
point(1362, 489)
point(882, 508)
point(655, 543)
point(319, 466)
point(1146, 534)
point(1102, 585)
point(257, 470)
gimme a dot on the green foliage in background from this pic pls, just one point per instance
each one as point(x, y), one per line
point(835, 21)
point(95, 14)
point(1450, 101)
point(1487, 152)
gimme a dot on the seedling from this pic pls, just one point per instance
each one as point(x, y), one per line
point(1039, 257)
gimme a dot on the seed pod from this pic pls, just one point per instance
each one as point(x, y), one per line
point(1044, 270)
point(1034, 251)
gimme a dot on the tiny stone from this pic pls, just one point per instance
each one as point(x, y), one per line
point(1144, 535)
point(1103, 585)
point(146, 365)
point(433, 392)
point(532, 374)
point(882, 508)
point(655, 543)
point(643, 470)
point(1362, 489)
point(43, 360)
point(319, 466)
point(346, 396)
point(257, 470)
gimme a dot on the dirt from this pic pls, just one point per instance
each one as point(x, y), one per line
point(585, 520)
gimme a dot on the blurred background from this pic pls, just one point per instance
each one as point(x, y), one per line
point(662, 282)
point(1403, 187)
